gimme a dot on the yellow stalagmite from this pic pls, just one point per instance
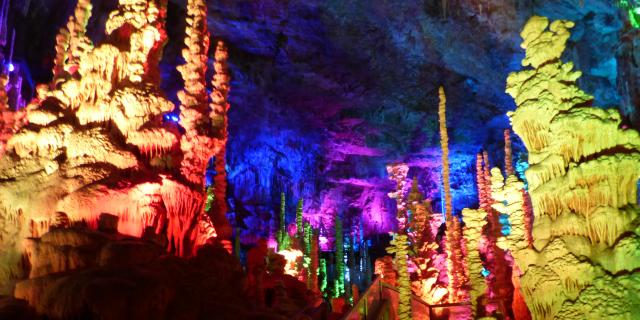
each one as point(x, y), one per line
point(474, 222)
point(72, 41)
point(582, 179)
point(508, 200)
point(455, 266)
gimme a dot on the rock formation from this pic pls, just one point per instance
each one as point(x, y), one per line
point(455, 261)
point(474, 222)
point(400, 249)
point(96, 141)
point(79, 273)
point(582, 179)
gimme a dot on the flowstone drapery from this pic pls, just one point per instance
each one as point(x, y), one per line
point(582, 179)
point(96, 141)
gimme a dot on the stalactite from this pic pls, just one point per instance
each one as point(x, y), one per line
point(474, 222)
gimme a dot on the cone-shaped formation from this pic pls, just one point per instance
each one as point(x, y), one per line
point(582, 181)
point(96, 141)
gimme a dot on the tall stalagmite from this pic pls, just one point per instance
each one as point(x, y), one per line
point(508, 157)
point(455, 266)
point(219, 106)
point(582, 179)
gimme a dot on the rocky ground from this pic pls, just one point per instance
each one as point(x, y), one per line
point(78, 273)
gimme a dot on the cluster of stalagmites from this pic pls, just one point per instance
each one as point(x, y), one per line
point(96, 140)
point(582, 179)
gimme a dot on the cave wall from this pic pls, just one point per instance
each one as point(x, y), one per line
point(326, 93)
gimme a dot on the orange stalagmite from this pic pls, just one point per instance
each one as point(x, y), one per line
point(219, 107)
point(455, 266)
point(96, 142)
point(508, 157)
point(193, 99)
point(72, 41)
point(205, 122)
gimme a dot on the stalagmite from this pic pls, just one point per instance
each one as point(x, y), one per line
point(455, 265)
point(424, 248)
point(219, 106)
point(508, 158)
point(399, 248)
point(97, 144)
point(582, 181)
point(474, 222)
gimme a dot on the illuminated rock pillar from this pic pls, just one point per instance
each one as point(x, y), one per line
point(582, 179)
point(424, 248)
point(509, 200)
point(474, 222)
point(455, 266)
point(508, 157)
point(399, 247)
point(219, 109)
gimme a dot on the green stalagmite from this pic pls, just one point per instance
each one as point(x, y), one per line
point(283, 237)
point(299, 221)
point(338, 282)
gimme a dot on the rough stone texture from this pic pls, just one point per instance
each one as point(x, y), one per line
point(584, 168)
point(333, 90)
point(96, 141)
point(78, 273)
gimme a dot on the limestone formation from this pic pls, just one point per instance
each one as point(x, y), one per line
point(474, 222)
point(97, 143)
point(455, 261)
point(582, 180)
